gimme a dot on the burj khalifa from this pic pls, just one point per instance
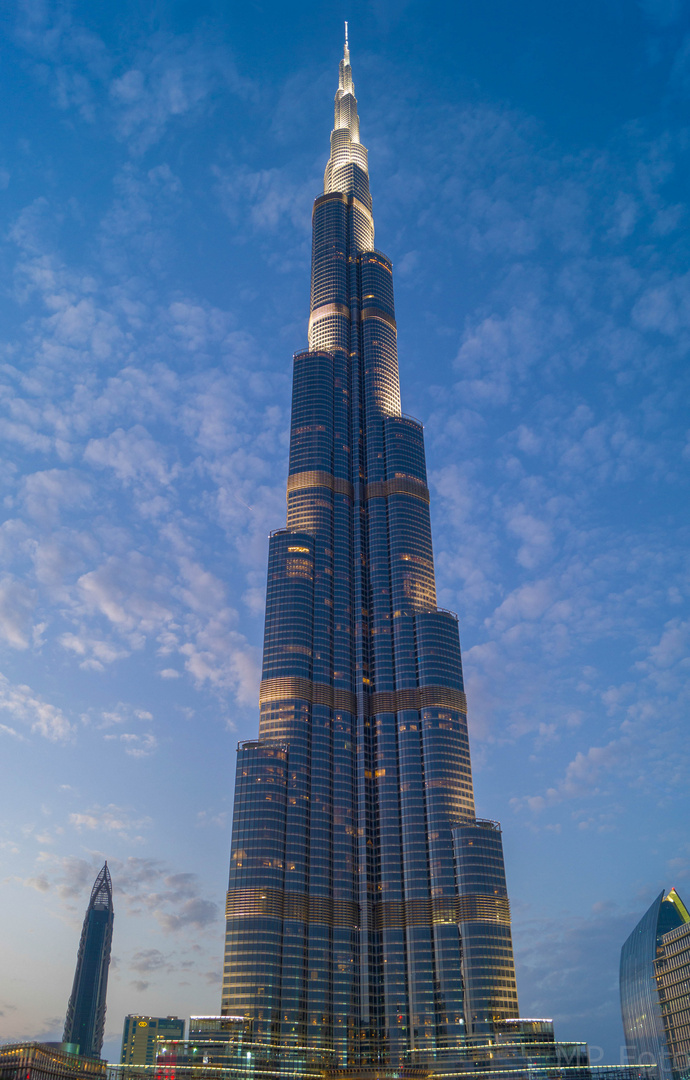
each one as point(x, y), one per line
point(368, 921)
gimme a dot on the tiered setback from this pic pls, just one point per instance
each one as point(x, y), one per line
point(352, 883)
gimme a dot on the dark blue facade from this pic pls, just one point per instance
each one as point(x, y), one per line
point(85, 1022)
point(349, 881)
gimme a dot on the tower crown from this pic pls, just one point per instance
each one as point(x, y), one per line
point(102, 891)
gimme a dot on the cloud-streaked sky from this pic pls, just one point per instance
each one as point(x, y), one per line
point(529, 168)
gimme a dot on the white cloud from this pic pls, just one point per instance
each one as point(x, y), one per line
point(536, 536)
point(132, 455)
point(581, 776)
point(125, 590)
point(147, 887)
point(146, 960)
point(223, 659)
point(58, 556)
point(122, 713)
point(168, 77)
point(81, 325)
point(138, 746)
point(28, 708)
point(16, 604)
point(203, 592)
point(500, 349)
point(171, 78)
point(10, 731)
point(665, 307)
point(107, 819)
point(39, 883)
point(200, 327)
point(196, 912)
point(270, 199)
point(46, 494)
point(673, 647)
point(528, 602)
point(95, 652)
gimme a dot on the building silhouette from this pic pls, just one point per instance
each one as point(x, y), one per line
point(85, 1022)
point(655, 988)
point(367, 910)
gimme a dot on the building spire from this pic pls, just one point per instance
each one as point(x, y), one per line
point(347, 169)
point(345, 84)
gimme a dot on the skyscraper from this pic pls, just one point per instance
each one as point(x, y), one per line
point(367, 910)
point(85, 1022)
point(649, 968)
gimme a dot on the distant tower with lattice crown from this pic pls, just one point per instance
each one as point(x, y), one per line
point(85, 1021)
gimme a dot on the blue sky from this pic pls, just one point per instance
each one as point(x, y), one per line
point(529, 167)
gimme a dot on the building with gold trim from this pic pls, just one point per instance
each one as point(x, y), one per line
point(368, 928)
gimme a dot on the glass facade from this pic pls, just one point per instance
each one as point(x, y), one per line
point(643, 1022)
point(85, 1022)
point(672, 972)
point(488, 969)
point(367, 914)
